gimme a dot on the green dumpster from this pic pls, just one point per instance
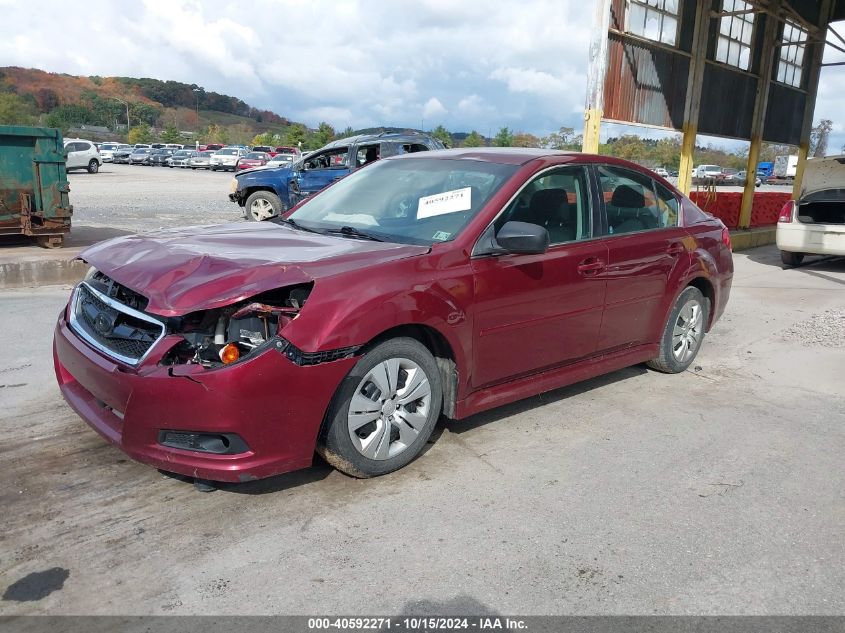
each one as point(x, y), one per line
point(33, 184)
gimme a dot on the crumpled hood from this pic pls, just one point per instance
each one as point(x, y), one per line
point(202, 267)
point(821, 174)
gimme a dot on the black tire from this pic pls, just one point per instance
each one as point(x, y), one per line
point(667, 361)
point(335, 444)
point(93, 166)
point(790, 260)
point(267, 197)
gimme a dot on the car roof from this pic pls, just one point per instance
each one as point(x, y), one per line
point(383, 136)
point(504, 155)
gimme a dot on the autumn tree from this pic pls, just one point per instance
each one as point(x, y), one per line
point(139, 134)
point(524, 139)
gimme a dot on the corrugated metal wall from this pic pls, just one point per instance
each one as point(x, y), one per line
point(727, 102)
point(644, 84)
point(784, 114)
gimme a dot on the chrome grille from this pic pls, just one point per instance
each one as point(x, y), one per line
point(117, 330)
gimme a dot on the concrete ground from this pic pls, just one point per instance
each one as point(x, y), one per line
point(717, 491)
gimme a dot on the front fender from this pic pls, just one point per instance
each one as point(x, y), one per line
point(274, 179)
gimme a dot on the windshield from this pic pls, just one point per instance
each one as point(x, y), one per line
point(227, 152)
point(413, 201)
point(256, 155)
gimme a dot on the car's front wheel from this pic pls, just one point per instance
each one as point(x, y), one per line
point(93, 166)
point(790, 260)
point(384, 410)
point(683, 333)
point(263, 205)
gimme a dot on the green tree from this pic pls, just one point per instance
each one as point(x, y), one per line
point(139, 134)
point(443, 135)
point(14, 110)
point(503, 138)
point(295, 134)
point(348, 131)
point(474, 139)
point(170, 134)
point(562, 139)
point(325, 134)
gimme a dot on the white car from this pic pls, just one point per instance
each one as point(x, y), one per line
point(227, 158)
point(661, 171)
point(815, 223)
point(107, 151)
point(82, 154)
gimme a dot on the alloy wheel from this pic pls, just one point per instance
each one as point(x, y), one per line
point(261, 209)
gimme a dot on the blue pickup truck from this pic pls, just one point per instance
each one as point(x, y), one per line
point(267, 193)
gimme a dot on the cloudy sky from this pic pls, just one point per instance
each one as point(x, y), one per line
point(468, 64)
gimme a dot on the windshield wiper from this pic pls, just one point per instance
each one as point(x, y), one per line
point(353, 232)
point(294, 224)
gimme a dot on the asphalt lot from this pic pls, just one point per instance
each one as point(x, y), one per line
point(717, 491)
point(137, 198)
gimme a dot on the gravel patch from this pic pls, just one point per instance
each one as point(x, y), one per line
point(825, 329)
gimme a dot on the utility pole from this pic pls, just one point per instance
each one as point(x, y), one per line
point(197, 94)
point(595, 78)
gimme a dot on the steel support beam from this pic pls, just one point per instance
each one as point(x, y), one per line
point(810, 104)
point(758, 120)
point(595, 78)
point(692, 105)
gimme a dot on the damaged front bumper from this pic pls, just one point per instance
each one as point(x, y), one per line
point(271, 401)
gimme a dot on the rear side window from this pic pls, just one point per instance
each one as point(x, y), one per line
point(634, 202)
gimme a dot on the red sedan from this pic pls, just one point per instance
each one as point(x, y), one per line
point(252, 160)
point(432, 284)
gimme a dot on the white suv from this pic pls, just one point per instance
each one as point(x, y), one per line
point(227, 158)
point(82, 154)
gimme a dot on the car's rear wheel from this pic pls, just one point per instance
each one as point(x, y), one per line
point(263, 205)
point(384, 410)
point(791, 259)
point(683, 333)
point(93, 166)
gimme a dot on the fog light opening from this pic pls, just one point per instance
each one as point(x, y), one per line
point(216, 443)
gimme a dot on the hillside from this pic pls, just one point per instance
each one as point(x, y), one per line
point(70, 102)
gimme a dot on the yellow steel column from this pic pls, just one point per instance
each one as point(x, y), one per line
point(595, 78)
point(686, 164)
point(758, 120)
point(692, 104)
point(750, 179)
point(592, 129)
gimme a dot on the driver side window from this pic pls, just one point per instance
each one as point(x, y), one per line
point(330, 159)
point(557, 200)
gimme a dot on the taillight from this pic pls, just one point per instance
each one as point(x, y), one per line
point(726, 237)
point(786, 212)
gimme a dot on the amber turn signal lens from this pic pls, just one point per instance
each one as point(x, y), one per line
point(230, 353)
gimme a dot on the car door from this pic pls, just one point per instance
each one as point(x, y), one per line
point(319, 171)
point(75, 155)
point(533, 312)
point(646, 250)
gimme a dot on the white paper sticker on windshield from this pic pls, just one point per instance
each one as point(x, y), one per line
point(446, 202)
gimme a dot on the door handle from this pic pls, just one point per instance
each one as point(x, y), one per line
point(591, 266)
point(676, 248)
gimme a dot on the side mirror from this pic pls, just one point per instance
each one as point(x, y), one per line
point(523, 237)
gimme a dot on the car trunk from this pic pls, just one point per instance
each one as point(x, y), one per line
point(823, 211)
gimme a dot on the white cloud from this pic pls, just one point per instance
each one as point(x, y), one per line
point(528, 80)
point(433, 108)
